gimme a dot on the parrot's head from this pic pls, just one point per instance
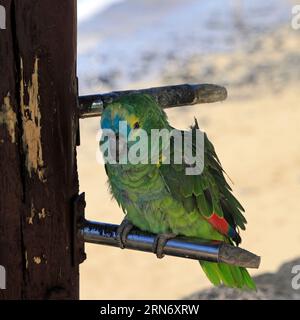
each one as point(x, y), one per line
point(139, 111)
point(128, 116)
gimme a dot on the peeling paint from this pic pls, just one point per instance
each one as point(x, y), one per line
point(37, 260)
point(32, 215)
point(42, 214)
point(31, 117)
point(9, 118)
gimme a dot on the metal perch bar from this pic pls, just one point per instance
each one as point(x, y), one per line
point(166, 97)
point(215, 251)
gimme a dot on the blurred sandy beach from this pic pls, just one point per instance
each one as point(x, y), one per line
point(256, 136)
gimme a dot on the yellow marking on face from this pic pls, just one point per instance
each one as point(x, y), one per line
point(132, 119)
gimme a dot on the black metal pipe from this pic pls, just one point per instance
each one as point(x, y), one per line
point(166, 97)
point(215, 251)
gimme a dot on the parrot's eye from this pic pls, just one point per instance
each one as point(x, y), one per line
point(136, 125)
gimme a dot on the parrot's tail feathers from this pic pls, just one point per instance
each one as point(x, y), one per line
point(230, 276)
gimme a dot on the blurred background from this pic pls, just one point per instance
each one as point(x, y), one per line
point(247, 46)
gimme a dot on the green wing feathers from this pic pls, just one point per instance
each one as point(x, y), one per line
point(211, 195)
point(230, 276)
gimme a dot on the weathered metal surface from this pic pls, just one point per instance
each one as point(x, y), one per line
point(215, 251)
point(166, 97)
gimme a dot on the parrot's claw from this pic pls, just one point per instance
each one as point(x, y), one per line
point(160, 242)
point(123, 230)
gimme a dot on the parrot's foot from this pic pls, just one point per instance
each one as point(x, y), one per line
point(123, 230)
point(160, 242)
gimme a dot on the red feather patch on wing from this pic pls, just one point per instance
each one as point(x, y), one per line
point(219, 223)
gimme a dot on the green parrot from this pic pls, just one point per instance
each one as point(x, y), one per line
point(162, 199)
